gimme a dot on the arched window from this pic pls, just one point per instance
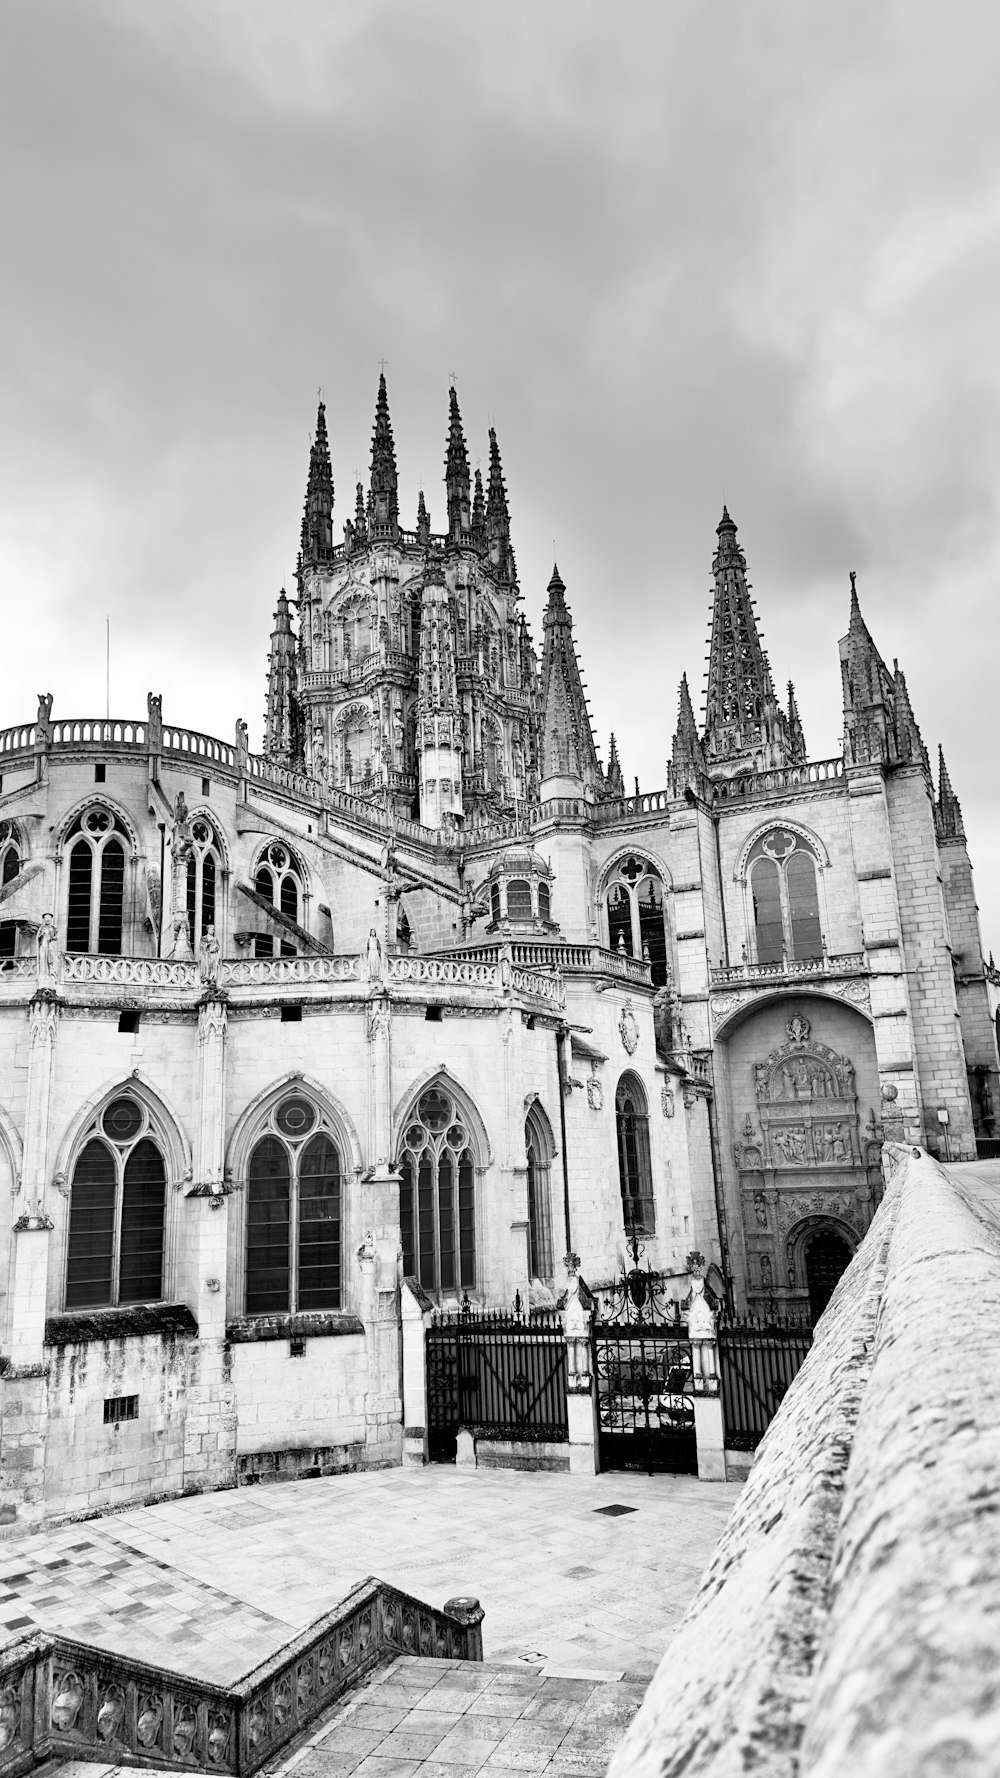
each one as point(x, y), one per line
point(293, 1212)
point(635, 911)
point(495, 903)
point(357, 763)
point(10, 852)
point(279, 879)
point(204, 874)
point(437, 1205)
point(538, 1151)
point(116, 1212)
point(519, 900)
point(544, 902)
point(95, 903)
point(635, 1171)
point(785, 898)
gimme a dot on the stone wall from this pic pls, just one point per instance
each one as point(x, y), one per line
point(847, 1621)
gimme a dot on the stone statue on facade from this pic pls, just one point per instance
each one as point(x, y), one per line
point(47, 952)
point(373, 957)
point(210, 958)
point(181, 849)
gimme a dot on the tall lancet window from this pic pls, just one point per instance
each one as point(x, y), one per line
point(784, 892)
point(95, 902)
point(636, 915)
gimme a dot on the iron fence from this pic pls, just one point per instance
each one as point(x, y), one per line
point(501, 1374)
point(758, 1362)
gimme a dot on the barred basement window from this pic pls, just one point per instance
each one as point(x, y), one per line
point(437, 1206)
point(95, 904)
point(279, 879)
point(293, 1213)
point(120, 1407)
point(117, 1202)
point(635, 1171)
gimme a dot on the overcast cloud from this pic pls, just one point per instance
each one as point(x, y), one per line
point(670, 249)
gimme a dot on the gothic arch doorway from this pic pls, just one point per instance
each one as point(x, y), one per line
point(827, 1259)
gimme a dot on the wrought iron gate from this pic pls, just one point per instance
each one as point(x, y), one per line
point(758, 1360)
point(502, 1375)
point(642, 1370)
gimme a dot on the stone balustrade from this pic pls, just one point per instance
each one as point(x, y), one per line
point(567, 958)
point(790, 969)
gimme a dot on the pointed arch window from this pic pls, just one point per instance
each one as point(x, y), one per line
point(293, 1212)
point(204, 879)
point(279, 879)
point(95, 902)
point(539, 1155)
point(10, 852)
point(635, 911)
point(437, 1203)
point(635, 1172)
point(784, 891)
point(117, 1204)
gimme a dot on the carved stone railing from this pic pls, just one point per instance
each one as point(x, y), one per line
point(17, 969)
point(130, 972)
point(570, 959)
point(195, 745)
point(443, 972)
point(97, 731)
point(20, 739)
point(60, 1698)
point(623, 808)
point(848, 963)
point(817, 771)
point(276, 972)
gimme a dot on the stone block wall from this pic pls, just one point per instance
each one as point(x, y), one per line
point(846, 1623)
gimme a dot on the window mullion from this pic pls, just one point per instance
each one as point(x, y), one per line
point(293, 1232)
point(95, 898)
point(633, 903)
point(786, 913)
point(116, 1243)
point(436, 1207)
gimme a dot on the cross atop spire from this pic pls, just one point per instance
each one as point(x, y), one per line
point(744, 723)
point(456, 473)
point(317, 515)
point(384, 501)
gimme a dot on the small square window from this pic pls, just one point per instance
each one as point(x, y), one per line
point(120, 1407)
point(297, 1346)
point(129, 1021)
point(100, 774)
point(206, 786)
point(291, 1015)
point(433, 1015)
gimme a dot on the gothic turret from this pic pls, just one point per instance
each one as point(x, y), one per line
point(439, 732)
point(383, 505)
point(745, 725)
point(909, 748)
point(423, 520)
point(478, 535)
point(879, 725)
point(796, 738)
point(317, 516)
point(569, 763)
point(947, 808)
point(687, 764)
point(498, 518)
point(456, 474)
point(282, 728)
point(614, 782)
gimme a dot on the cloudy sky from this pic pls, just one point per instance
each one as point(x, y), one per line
point(674, 250)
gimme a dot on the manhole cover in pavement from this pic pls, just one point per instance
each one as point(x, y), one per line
point(615, 1511)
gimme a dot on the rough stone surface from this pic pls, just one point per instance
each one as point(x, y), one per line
point(847, 1623)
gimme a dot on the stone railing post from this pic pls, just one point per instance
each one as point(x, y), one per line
point(415, 1309)
point(581, 1386)
point(708, 1425)
point(469, 1613)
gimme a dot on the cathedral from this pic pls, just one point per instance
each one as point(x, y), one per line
point(423, 991)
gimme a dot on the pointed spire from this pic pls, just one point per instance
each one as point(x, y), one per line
point(744, 723)
point(456, 473)
point(282, 727)
point(498, 518)
point(909, 741)
point(796, 737)
point(687, 764)
point(948, 809)
point(868, 692)
point(317, 516)
point(423, 520)
point(478, 515)
point(360, 521)
point(613, 776)
point(567, 741)
point(384, 500)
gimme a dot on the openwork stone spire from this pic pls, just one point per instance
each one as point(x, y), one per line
point(744, 723)
point(439, 728)
point(282, 729)
point(383, 508)
point(498, 518)
point(317, 516)
point(797, 740)
point(613, 778)
point(687, 764)
point(478, 514)
point(947, 809)
point(567, 742)
point(456, 474)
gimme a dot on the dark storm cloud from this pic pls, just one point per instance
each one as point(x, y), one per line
point(670, 249)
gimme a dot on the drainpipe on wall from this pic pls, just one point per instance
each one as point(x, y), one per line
point(561, 1067)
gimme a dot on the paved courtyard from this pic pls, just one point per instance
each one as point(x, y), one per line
point(213, 1584)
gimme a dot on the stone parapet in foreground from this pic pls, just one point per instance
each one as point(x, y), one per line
point(848, 1620)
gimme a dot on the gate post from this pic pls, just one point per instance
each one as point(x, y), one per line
point(415, 1314)
point(708, 1428)
point(581, 1395)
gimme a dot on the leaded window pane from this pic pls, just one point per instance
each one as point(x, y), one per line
point(11, 864)
point(406, 1216)
point(425, 1221)
point(290, 898)
point(319, 1226)
point(90, 1268)
point(81, 872)
point(634, 1165)
point(446, 1214)
point(109, 929)
point(268, 1210)
point(803, 906)
point(518, 900)
point(207, 892)
point(544, 902)
point(767, 911)
point(141, 1258)
point(466, 1222)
